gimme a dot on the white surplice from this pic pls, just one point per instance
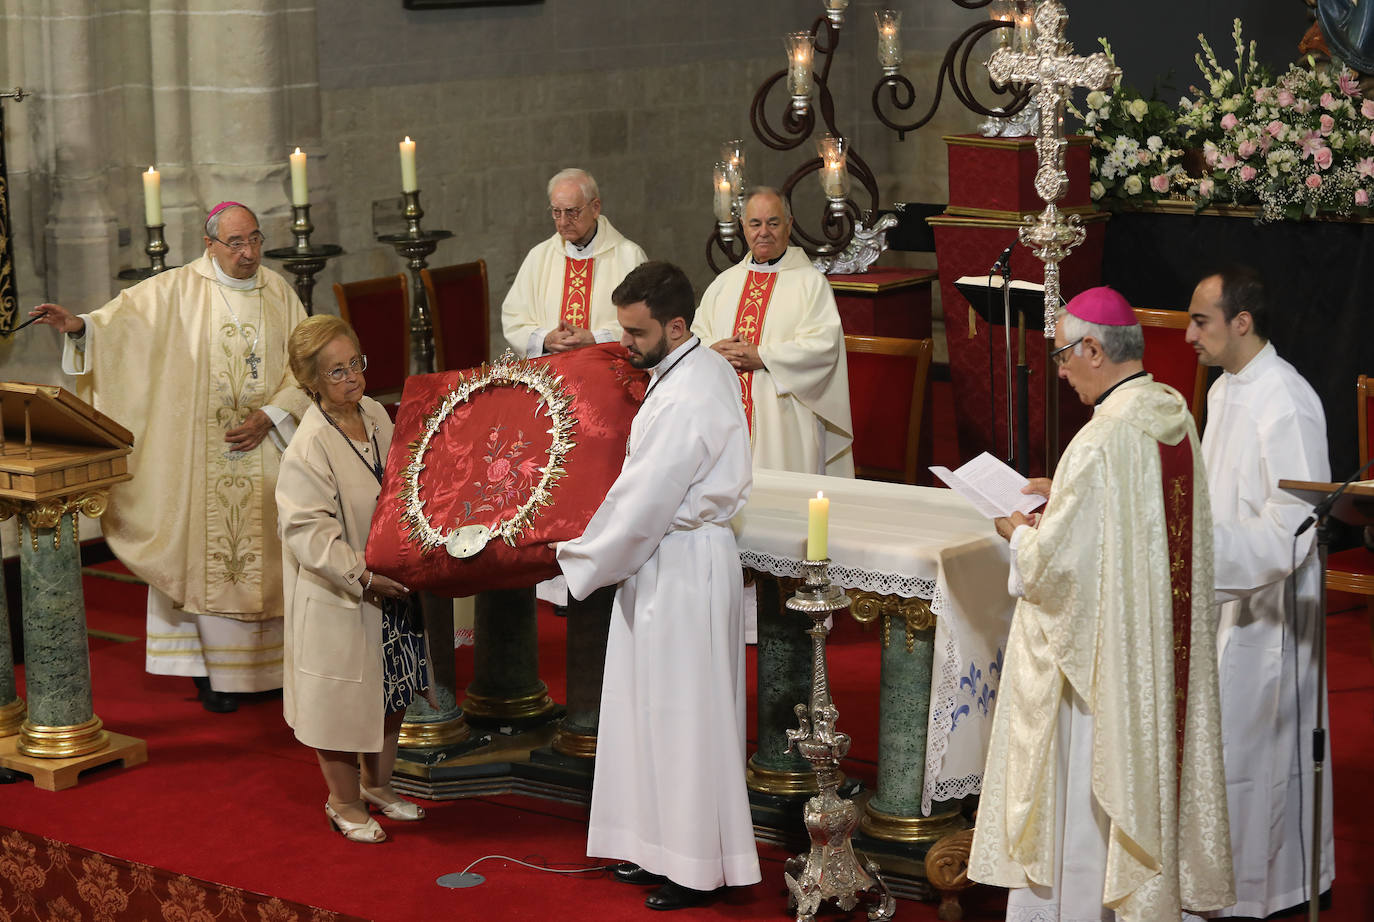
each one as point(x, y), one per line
point(802, 421)
point(1265, 424)
point(534, 304)
point(1103, 812)
point(669, 792)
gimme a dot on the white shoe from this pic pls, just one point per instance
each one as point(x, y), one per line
point(397, 809)
point(369, 833)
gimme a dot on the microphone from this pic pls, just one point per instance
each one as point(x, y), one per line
point(1323, 507)
point(1003, 261)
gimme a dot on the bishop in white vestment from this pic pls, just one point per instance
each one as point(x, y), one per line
point(193, 362)
point(669, 793)
point(1103, 795)
point(1264, 424)
point(774, 317)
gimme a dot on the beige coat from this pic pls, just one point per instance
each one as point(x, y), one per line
point(332, 691)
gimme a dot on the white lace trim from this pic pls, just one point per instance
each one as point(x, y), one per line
point(908, 587)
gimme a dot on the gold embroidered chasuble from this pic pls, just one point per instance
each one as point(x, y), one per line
point(1098, 613)
point(168, 360)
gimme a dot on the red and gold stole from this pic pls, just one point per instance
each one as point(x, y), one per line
point(577, 292)
point(753, 305)
point(1176, 470)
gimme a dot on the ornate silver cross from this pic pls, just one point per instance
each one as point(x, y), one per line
point(1055, 72)
point(253, 360)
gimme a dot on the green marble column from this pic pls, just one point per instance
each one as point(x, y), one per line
point(506, 689)
point(589, 621)
point(784, 681)
point(426, 727)
point(894, 811)
point(57, 662)
point(12, 708)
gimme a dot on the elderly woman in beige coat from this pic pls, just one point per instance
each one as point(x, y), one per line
point(353, 658)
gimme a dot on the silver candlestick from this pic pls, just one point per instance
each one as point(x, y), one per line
point(830, 870)
point(157, 250)
point(415, 246)
point(304, 260)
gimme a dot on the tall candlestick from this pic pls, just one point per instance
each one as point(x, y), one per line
point(408, 181)
point(300, 194)
point(817, 527)
point(152, 197)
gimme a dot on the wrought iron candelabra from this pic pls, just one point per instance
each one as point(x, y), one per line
point(829, 870)
point(304, 260)
point(416, 246)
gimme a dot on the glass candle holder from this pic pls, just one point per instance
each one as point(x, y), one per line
point(889, 23)
point(799, 54)
point(732, 153)
point(834, 10)
point(834, 176)
point(1002, 11)
point(1025, 27)
point(723, 198)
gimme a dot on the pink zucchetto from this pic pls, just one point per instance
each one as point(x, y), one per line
point(1104, 306)
point(223, 205)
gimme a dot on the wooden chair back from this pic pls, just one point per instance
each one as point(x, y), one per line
point(1170, 359)
point(1352, 570)
point(460, 310)
point(379, 312)
point(888, 401)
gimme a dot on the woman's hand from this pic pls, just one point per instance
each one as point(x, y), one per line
point(385, 586)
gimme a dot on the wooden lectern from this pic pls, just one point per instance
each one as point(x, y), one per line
point(58, 459)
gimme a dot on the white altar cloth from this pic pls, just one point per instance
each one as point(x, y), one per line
point(914, 542)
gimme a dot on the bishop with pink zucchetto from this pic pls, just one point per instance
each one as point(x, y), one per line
point(1104, 788)
point(193, 362)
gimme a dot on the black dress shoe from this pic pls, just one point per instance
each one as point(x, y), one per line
point(628, 873)
point(215, 702)
point(675, 896)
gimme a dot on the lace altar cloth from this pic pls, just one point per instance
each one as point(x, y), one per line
point(913, 542)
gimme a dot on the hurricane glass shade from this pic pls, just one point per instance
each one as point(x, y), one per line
point(799, 54)
point(834, 176)
point(889, 23)
point(723, 198)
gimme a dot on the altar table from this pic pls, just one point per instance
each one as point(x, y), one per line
point(901, 544)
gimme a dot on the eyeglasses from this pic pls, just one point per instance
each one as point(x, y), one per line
point(254, 242)
point(357, 366)
point(1059, 355)
point(572, 214)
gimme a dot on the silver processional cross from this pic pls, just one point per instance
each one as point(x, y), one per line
point(1055, 72)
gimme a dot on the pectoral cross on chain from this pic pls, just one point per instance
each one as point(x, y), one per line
point(253, 360)
point(1055, 72)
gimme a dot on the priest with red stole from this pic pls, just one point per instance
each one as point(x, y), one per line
point(773, 316)
point(561, 297)
point(1104, 790)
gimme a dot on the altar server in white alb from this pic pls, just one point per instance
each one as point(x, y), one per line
point(669, 793)
point(774, 317)
point(193, 362)
point(1104, 795)
point(1264, 424)
point(561, 297)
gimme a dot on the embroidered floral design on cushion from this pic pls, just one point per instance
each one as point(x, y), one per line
point(508, 475)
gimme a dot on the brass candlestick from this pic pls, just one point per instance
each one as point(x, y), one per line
point(304, 260)
point(830, 870)
point(415, 246)
point(157, 250)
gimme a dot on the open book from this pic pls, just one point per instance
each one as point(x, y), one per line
point(983, 281)
point(991, 486)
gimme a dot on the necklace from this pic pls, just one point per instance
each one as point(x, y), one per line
point(253, 357)
point(375, 465)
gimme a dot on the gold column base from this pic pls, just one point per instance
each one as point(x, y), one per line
point(892, 828)
point(535, 704)
point(12, 717)
point(62, 742)
point(576, 745)
point(781, 783)
point(433, 734)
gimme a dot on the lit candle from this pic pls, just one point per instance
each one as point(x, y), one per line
point(408, 182)
point(817, 527)
point(725, 198)
point(152, 197)
point(834, 178)
point(300, 195)
point(1025, 31)
point(889, 22)
point(799, 52)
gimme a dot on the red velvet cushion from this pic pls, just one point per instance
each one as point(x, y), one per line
point(880, 404)
point(485, 460)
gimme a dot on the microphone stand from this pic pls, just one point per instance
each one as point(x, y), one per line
point(1003, 267)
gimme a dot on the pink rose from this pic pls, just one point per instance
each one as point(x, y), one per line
point(1323, 158)
point(1247, 149)
point(1227, 162)
point(1367, 108)
point(1247, 173)
point(1266, 142)
point(1285, 98)
point(1159, 183)
point(1328, 123)
point(1229, 121)
point(1349, 83)
point(1365, 167)
point(1310, 144)
point(497, 470)
point(1210, 154)
point(1206, 188)
point(1328, 101)
point(1314, 181)
point(1260, 94)
point(1275, 128)
point(1361, 196)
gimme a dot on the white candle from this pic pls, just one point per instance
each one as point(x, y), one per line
point(408, 181)
point(152, 197)
point(300, 194)
point(724, 200)
point(817, 527)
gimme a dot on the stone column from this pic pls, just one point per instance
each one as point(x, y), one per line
point(57, 663)
point(425, 727)
point(506, 690)
point(11, 705)
point(908, 641)
point(784, 681)
point(589, 621)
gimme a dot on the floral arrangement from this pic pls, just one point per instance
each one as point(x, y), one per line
point(1296, 146)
